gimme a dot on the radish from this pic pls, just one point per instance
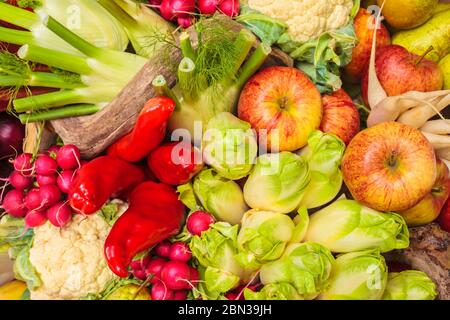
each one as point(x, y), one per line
point(176, 275)
point(154, 269)
point(59, 214)
point(195, 277)
point(230, 8)
point(13, 203)
point(199, 221)
point(49, 195)
point(155, 2)
point(44, 180)
point(171, 9)
point(207, 6)
point(68, 157)
point(45, 165)
point(185, 22)
point(180, 252)
point(64, 180)
point(35, 219)
point(161, 292)
point(138, 267)
point(19, 181)
point(53, 151)
point(180, 295)
point(32, 199)
point(163, 249)
point(23, 163)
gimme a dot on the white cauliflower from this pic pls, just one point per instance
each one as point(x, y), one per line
point(307, 19)
point(70, 261)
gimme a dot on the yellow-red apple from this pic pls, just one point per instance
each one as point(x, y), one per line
point(389, 167)
point(340, 116)
point(429, 208)
point(364, 25)
point(283, 105)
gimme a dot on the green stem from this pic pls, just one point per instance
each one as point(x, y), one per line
point(186, 46)
point(17, 37)
point(59, 113)
point(243, 44)
point(162, 89)
point(117, 12)
point(54, 58)
point(186, 71)
point(52, 80)
point(48, 100)
point(17, 16)
point(71, 38)
point(12, 81)
point(253, 64)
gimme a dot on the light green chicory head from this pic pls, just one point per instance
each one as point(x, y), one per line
point(229, 146)
point(221, 197)
point(215, 251)
point(277, 182)
point(324, 155)
point(274, 291)
point(264, 235)
point(357, 276)
point(306, 266)
point(409, 285)
point(348, 226)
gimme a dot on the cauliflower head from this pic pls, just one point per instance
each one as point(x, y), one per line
point(306, 19)
point(70, 261)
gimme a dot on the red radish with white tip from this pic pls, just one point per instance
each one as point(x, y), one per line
point(19, 181)
point(33, 199)
point(69, 157)
point(180, 252)
point(45, 165)
point(163, 249)
point(59, 214)
point(64, 180)
point(43, 180)
point(13, 203)
point(49, 195)
point(199, 221)
point(35, 219)
point(23, 163)
point(176, 275)
point(161, 292)
point(230, 8)
point(208, 6)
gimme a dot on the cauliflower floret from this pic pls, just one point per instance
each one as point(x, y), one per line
point(70, 261)
point(307, 19)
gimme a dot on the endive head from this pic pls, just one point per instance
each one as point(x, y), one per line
point(229, 146)
point(277, 182)
point(409, 285)
point(348, 226)
point(357, 276)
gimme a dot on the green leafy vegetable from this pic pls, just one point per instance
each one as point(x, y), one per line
point(109, 212)
point(357, 276)
point(24, 270)
point(274, 291)
point(113, 288)
point(277, 182)
point(409, 285)
point(324, 154)
point(348, 226)
point(187, 196)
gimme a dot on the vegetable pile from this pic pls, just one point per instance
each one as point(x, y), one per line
point(285, 152)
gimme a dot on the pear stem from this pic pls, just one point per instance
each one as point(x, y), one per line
point(424, 55)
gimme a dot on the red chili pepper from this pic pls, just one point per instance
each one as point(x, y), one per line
point(100, 179)
point(154, 214)
point(175, 163)
point(148, 133)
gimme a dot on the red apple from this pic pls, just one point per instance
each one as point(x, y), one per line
point(400, 71)
point(364, 25)
point(429, 208)
point(389, 167)
point(444, 217)
point(284, 107)
point(340, 116)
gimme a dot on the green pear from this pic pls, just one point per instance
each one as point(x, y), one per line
point(434, 33)
point(407, 14)
point(444, 64)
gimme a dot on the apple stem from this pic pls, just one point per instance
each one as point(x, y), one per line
point(424, 55)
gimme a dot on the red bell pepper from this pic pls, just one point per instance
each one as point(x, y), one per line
point(175, 163)
point(148, 133)
point(154, 214)
point(99, 180)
